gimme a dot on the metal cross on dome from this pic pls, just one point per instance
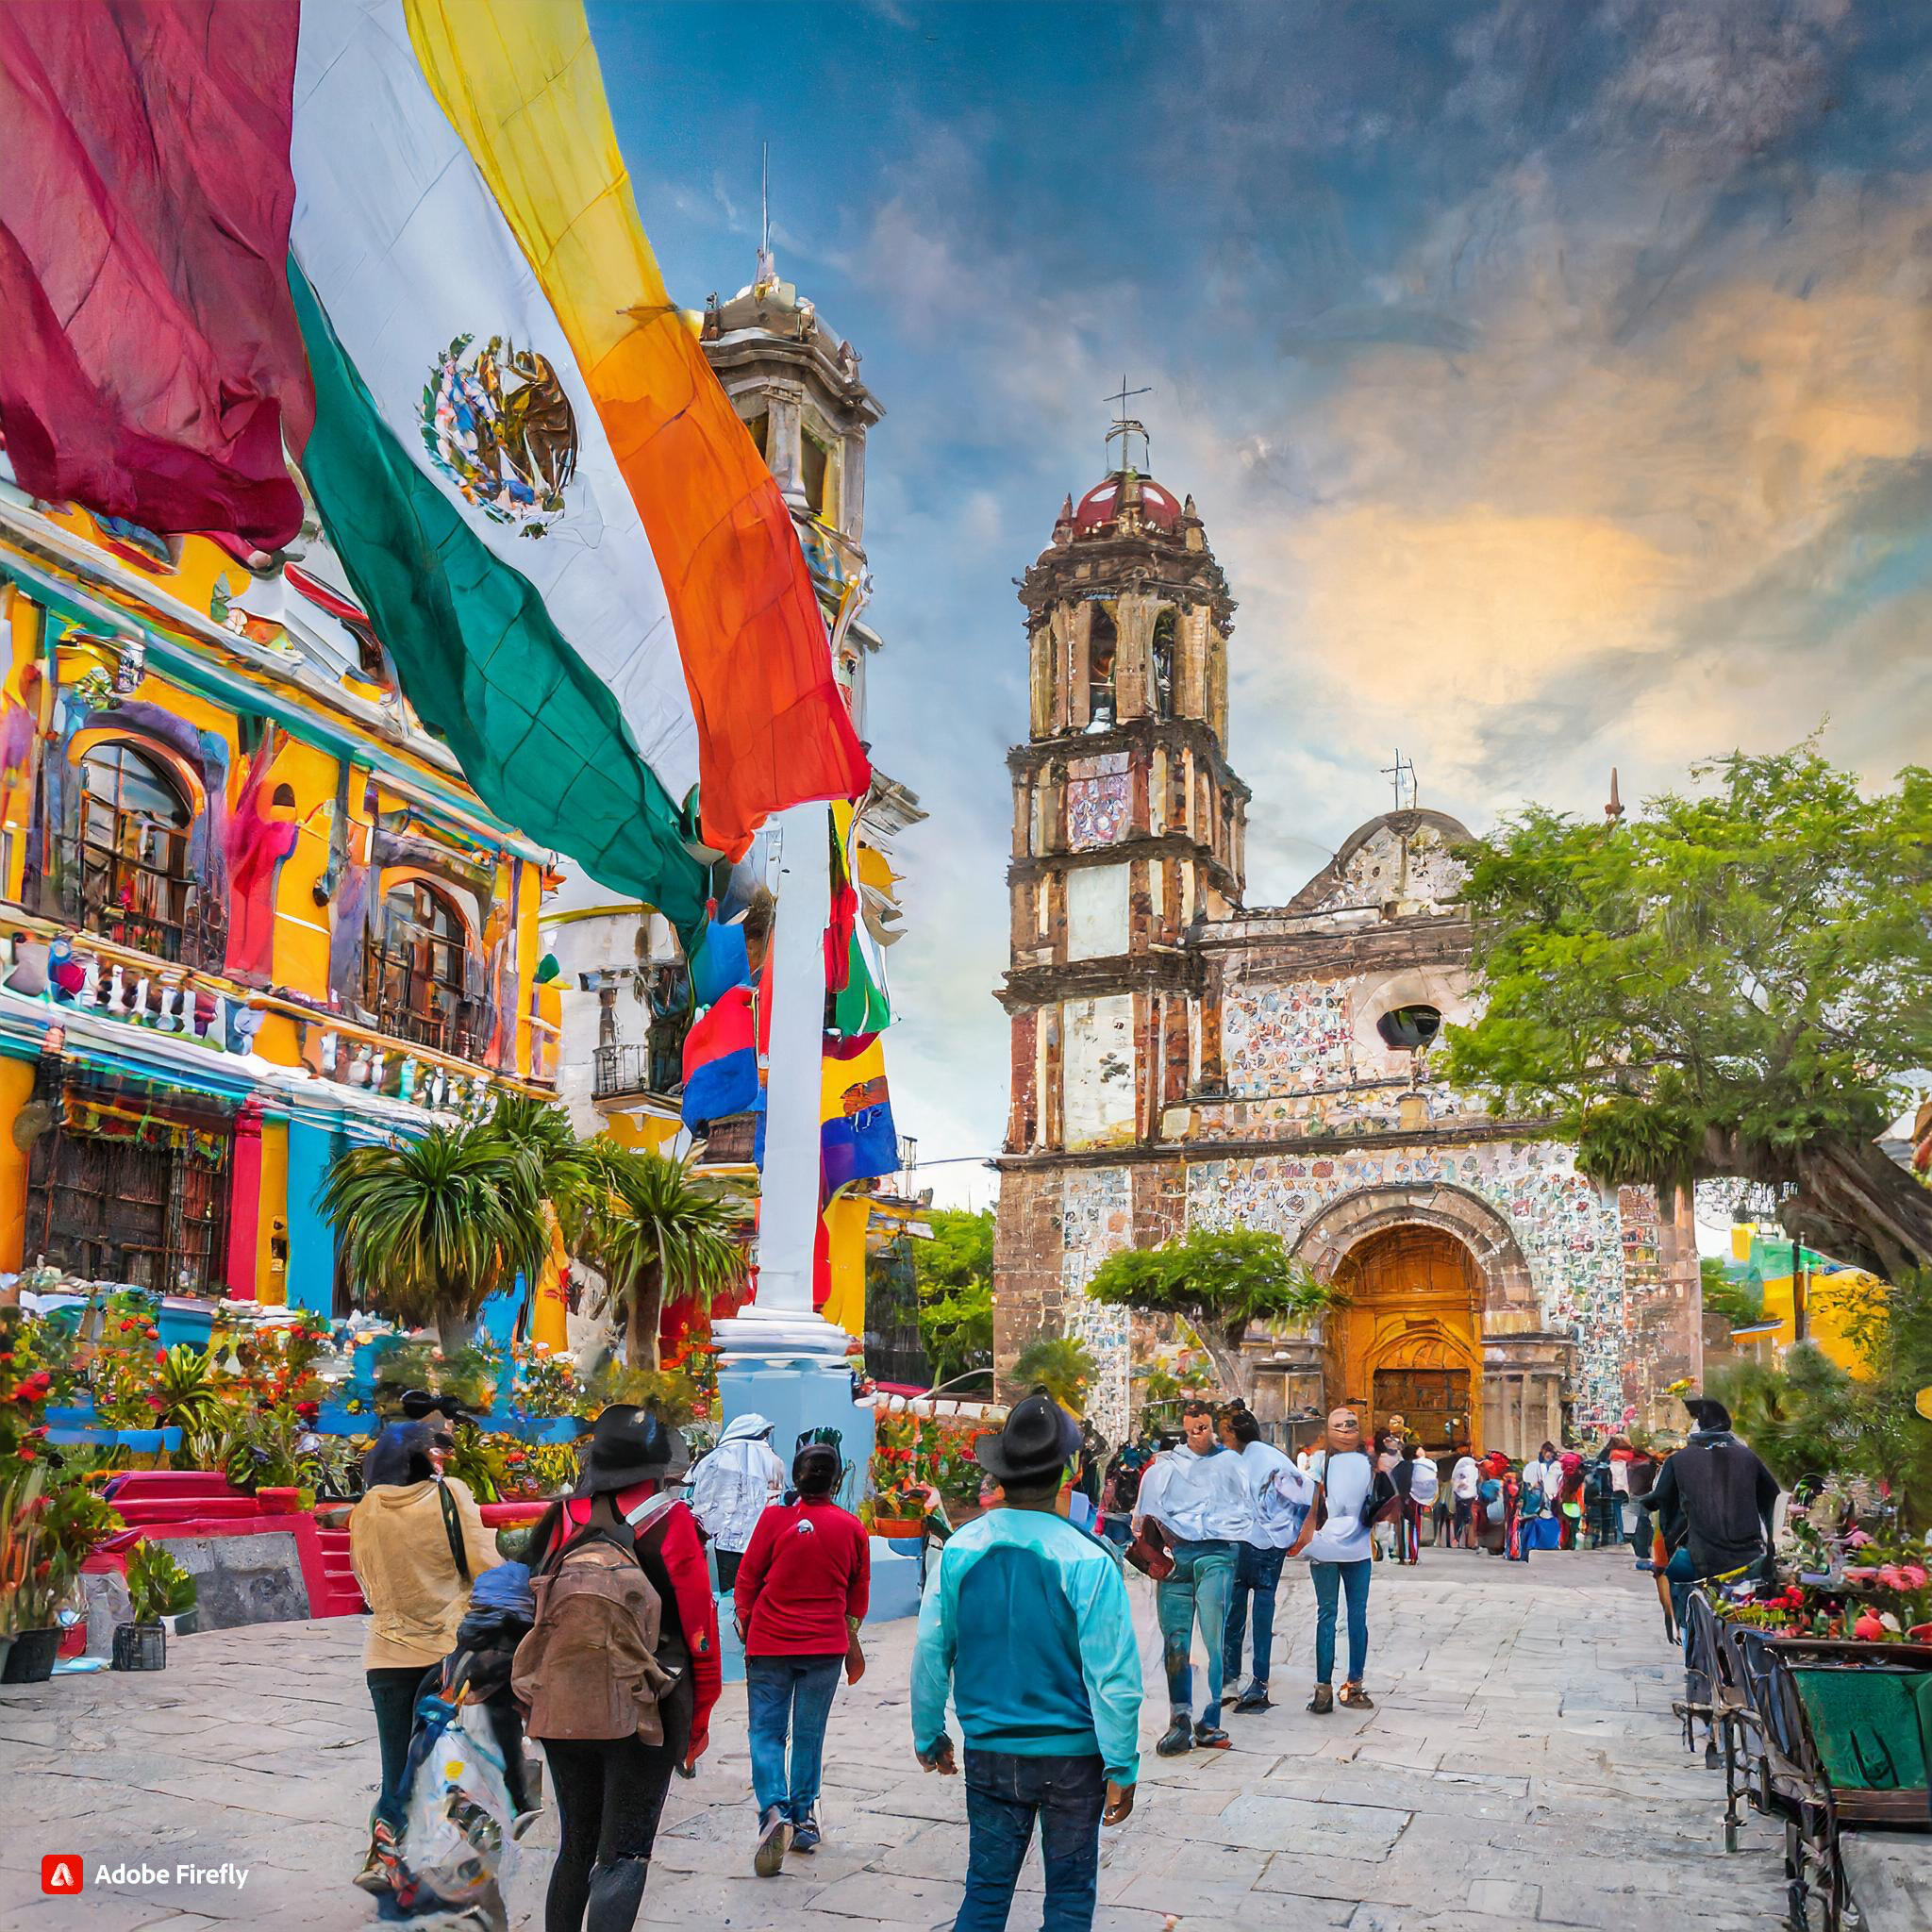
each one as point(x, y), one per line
point(1403, 773)
point(1124, 426)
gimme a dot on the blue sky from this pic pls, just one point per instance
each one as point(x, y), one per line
point(1554, 383)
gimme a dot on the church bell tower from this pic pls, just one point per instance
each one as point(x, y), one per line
point(1129, 824)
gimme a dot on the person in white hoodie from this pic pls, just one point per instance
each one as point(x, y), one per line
point(1198, 1494)
point(731, 1488)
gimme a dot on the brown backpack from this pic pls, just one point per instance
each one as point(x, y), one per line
point(589, 1667)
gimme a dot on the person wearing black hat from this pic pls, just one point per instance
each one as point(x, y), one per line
point(1027, 1622)
point(610, 1791)
point(1715, 1500)
point(801, 1595)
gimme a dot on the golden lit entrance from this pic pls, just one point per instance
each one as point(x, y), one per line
point(1409, 1343)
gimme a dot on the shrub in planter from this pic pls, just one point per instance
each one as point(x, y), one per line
point(158, 1587)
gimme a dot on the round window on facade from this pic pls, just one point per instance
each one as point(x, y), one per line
point(1408, 1028)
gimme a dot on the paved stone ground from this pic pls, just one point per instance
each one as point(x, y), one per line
point(1521, 1770)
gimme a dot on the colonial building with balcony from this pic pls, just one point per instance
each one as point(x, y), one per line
point(250, 911)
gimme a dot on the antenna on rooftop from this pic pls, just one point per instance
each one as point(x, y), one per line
point(1403, 773)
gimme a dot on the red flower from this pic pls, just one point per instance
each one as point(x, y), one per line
point(160, 1357)
point(26, 1451)
point(155, 1403)
point(44, 1568)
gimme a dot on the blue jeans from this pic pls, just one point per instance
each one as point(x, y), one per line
point(1197, 1594)
point(1257, 1572)
point(1004, 1793)
point(792, 1693)
point(1353, 1580)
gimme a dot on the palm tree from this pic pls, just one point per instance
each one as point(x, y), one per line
point(658, 1228)
point(429, 1228)
point(1062, 1365)
point(556, 1173)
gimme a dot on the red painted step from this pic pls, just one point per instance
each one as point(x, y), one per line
point(152, 1485)
point(137, 1514)
point(340, 1595)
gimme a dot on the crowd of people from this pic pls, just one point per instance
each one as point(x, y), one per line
point(601, 1645)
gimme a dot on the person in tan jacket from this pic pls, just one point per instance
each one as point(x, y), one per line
point(416, 1541)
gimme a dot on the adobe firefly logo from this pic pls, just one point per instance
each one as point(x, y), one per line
point(61, 1874)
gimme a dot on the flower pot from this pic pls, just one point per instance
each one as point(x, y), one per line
point(183, 1624)
point(896, 1525)
point(32, 1660)
point(277, 1502)
point(138, 1647)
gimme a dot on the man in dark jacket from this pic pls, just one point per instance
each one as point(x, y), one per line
point(1714, 1498)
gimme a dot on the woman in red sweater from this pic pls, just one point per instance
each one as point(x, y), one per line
point(610, 1792)
point(801, 1595)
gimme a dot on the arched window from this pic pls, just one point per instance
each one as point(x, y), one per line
point(1163, 664)
point(1103, 646)
point(1409, 1029)
point(131, 850)
point(414, 980)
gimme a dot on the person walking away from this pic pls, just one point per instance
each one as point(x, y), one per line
point(1026, 1620)
point(1715, 1500)
point(1197, 1493)
point(1464, 1481)
point(1385, 1533)
point(1281, 1496)
point(416, 1542)
point(1636, 1524)
point(731, 1488)
point(1417, 1483)
point(501, 1611)
point(801, 1595)
point(1569, 1499)
point(610, 1777)
point(1336, 1541)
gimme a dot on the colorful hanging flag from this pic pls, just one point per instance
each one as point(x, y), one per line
point(858, 991)
point(722, 960)
point(520, 83)
point(857, 1139)
point(465, 481)
point(721, 1061)
point(147, 352)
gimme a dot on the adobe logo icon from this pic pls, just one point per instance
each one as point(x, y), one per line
point(60, 1873)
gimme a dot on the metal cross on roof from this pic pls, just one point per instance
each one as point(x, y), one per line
point(1403, 773)
point(1124, 426)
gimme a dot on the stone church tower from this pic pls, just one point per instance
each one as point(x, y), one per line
point(1182, 1059)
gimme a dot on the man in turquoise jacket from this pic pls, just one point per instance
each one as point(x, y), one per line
point(1026, 1620)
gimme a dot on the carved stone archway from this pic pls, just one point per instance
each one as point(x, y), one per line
point(1524, 1367)
point(1325, 1243)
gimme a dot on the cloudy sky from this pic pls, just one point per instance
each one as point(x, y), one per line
point(1552, 381)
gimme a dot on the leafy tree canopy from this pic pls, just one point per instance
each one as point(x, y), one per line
point(1062, 1365)
point(953, 1271)
point(1219, 1280)
point(1731, 983)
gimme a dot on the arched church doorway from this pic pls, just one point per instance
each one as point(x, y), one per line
point(1409, 1340)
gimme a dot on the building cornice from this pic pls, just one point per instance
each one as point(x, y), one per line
point(1252, 1147)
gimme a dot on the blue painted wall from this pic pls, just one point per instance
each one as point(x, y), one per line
point(312, 1241)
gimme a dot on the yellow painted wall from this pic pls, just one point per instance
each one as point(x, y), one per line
point(16, 1084)
point(272, 1284)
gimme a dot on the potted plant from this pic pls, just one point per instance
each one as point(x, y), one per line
point(59, 1523)
point(158, 1587)
point(19, 1556)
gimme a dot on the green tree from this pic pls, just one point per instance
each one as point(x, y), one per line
point(1062, 1365)
point(554, 1167)
point(1219, 1280)
point(1741, 1303)
point(1731, 983)
point(431, 1228)
point(954, 1272)
point(656, 1228)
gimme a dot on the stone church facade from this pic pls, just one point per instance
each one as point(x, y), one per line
point(1182, 1060)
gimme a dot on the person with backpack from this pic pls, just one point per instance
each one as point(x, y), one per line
point(416, 1541)
point(1335, 1539)
point(1026, 1621)
point(801, 1595)
point(619, 1671)
point(1416, 1483)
